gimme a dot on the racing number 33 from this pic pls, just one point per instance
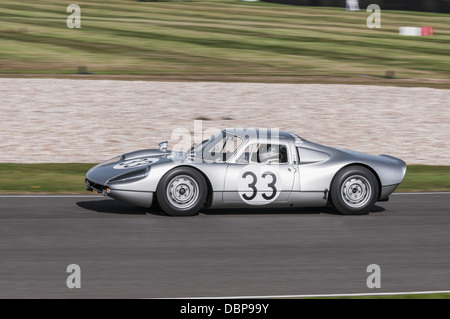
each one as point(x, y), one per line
point(252, 185)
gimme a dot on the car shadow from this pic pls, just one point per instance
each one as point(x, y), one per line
point(108, 206)
point(328, 210)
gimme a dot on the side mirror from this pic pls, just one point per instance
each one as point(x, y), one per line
point(163, 146)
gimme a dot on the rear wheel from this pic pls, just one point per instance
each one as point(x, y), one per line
point(182, 192)
point(354, 190)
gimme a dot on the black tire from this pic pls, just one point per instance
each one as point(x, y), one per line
point(182, 192)
point(354, 190)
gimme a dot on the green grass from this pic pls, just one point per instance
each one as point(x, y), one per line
point(222, 38)
point(69, 178)
point(426, 178)
point(43, 178)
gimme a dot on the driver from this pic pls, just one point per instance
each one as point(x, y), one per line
point(270, 155)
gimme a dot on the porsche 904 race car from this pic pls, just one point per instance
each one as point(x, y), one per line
point(249, 168)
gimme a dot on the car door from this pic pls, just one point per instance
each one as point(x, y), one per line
point(252, 179)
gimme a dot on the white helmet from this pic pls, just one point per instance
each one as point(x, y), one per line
point(272, 154)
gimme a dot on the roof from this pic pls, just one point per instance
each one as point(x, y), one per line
point(262, 132)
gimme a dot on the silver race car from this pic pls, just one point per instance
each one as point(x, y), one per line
point(249, 168)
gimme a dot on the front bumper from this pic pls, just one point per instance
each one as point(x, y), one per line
point(142, 199)
point(386, 191)
point(91, 186)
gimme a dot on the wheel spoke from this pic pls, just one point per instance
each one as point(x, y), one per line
point(183, 192)
point(356, 191)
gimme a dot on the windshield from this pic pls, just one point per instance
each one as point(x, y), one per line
point(218, 149)
point(197, 147)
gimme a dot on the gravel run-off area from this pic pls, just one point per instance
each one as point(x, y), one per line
point(57, 120)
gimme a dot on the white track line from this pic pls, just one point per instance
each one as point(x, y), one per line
point(322, 295)
point(423, 193)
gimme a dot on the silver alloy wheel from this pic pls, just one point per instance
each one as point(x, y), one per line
point(356, 191)
point(182, 191)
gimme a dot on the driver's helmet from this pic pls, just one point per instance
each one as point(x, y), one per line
point(272, 154)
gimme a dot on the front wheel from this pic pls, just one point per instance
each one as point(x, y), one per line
point(354, 190)
point(182, 192)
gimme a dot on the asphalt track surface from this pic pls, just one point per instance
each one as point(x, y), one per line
point(128, 252)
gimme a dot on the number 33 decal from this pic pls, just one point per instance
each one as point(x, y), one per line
point(254, 181)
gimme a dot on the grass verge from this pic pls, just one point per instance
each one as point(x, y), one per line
point(43, 178)
point(218, 39)
point(69, 178)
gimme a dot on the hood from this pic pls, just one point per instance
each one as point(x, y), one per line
point(145, 153)
point(129, 166)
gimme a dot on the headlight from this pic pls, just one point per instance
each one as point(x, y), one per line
point(129, 177)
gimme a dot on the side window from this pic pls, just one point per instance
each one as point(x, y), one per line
point(269, 153)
